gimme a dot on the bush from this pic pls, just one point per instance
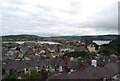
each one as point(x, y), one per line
point(77, 54)
point(11, 78)
point(33, 76)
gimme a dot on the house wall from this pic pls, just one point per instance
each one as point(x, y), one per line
point(27, 71)
point(116, 77)
point(91, 49)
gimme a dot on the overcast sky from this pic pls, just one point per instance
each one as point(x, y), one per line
point(59, 17)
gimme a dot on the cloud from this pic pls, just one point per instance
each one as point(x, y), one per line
point(59, 17)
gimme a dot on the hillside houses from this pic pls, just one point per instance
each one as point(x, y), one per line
point(30, 57)
point(109, 72)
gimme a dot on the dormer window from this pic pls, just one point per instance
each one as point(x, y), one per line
point(4, 63)
point(104, 79)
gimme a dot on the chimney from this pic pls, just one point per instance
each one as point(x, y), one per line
point(44, 73)
point(60, 69)
point(71, 58)
point(38, 68)
point(66, 66)
point(44, 68)
point(71, 70)
point(68, 70)
point(83, 66)
point(94, 63)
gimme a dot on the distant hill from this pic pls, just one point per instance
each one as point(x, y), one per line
point(97, 37)
point(25, 37)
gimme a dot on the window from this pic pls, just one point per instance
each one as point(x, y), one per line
point(27, 69)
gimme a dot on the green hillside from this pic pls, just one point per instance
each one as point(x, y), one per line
point(23, 37)
point(97, 37)
point(112, 48)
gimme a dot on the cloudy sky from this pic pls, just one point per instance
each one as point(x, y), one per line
point(59, 17)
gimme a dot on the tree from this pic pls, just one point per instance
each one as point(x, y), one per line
point(112, 48)
point(76, 54)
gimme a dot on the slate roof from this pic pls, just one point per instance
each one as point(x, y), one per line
point(73, 64)
point(19, 64)
point(108, 71)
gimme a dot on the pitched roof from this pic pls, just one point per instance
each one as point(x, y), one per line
point(20, 64)
point(91, 73)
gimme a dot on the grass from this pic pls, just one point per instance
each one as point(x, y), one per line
point(25, 77)
point(52, 73)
